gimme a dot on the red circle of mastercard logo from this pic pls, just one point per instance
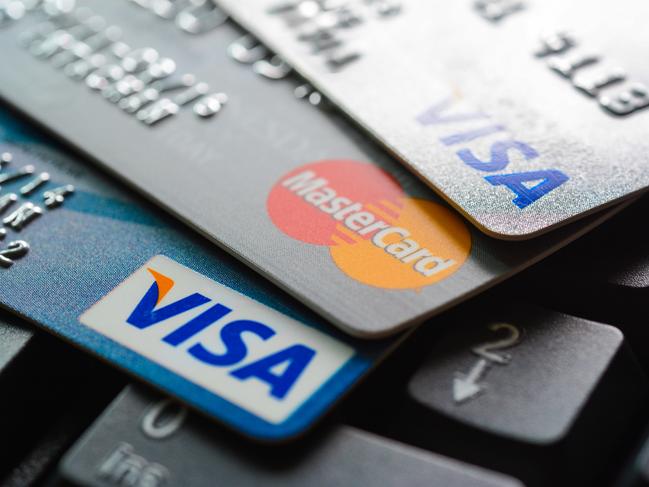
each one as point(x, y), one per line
point(376, 234)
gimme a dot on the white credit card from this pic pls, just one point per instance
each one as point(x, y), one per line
point(524, 114)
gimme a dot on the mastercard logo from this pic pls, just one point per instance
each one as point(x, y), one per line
point(376, 234)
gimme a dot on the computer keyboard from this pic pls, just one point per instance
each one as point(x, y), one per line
point(505, 390)
point(560, 401)
point(539, 381)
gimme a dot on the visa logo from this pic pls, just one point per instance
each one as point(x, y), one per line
point(251, 355)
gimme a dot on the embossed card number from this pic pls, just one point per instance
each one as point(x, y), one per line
point(15, 250)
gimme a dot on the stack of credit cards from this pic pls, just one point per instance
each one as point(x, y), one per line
point(523, 114)
point(250, 213)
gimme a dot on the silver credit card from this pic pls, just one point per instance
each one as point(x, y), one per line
point(524, 114)
point(290, 188)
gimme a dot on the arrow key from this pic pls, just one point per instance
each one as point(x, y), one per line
point(525, 391)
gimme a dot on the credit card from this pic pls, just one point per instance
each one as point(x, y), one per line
point(86, 261)
point(524, 114)
point(293, 190)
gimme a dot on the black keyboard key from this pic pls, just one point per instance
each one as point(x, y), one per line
point(527, 391)
point(43, 455)
point(50, 392)
point(614, 254)
point(603, 276)
point(636, 474)
point(20, 348)
point(13, 339)
point(142, 441)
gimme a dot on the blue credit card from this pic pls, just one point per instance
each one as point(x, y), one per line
point(92, 263)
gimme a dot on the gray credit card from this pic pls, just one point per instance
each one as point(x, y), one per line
point(292, 189)
point(524, 114)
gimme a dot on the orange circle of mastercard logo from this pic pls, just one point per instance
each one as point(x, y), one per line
point(376, 234)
